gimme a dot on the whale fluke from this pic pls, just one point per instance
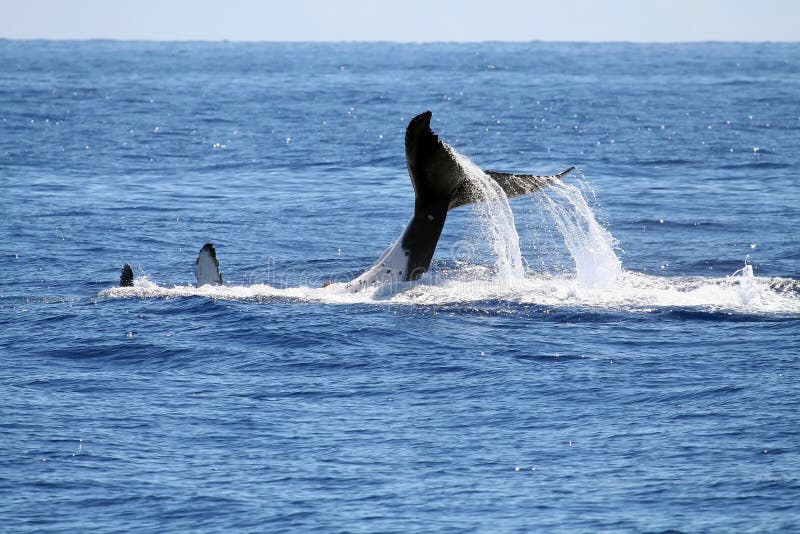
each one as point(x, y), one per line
point(207, 267)
point(440, 184)
point(126, 276)
point(513, 185)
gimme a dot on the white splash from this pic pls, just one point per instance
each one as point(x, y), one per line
point(591, 245)
point(497, 223)
point(742, 292)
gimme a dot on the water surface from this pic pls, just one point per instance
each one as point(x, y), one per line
point(663, 395)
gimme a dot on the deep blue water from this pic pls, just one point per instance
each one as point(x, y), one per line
point(636, 408)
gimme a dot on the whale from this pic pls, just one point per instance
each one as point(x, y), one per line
point(440, 184)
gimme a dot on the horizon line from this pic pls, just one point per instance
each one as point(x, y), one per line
point(390, 41)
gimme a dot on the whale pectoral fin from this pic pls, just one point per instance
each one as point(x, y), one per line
point(126, 276)
point(513, 185)
point(207, 267)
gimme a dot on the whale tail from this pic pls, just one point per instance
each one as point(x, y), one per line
point(512, 184)
point(126, 276)
point(436, 177)
point(440, 184)
point(207, 267)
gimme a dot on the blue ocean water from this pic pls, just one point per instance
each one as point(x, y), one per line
point(664, 398)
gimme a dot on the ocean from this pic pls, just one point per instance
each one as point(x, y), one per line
point(616, 353)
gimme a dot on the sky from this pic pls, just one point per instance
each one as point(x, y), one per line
point(403, 20)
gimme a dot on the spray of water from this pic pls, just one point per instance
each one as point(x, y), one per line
point(497, 223)
point(590, 245)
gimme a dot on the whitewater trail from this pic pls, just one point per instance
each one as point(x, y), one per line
point(598, 280)
point(634, 292)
